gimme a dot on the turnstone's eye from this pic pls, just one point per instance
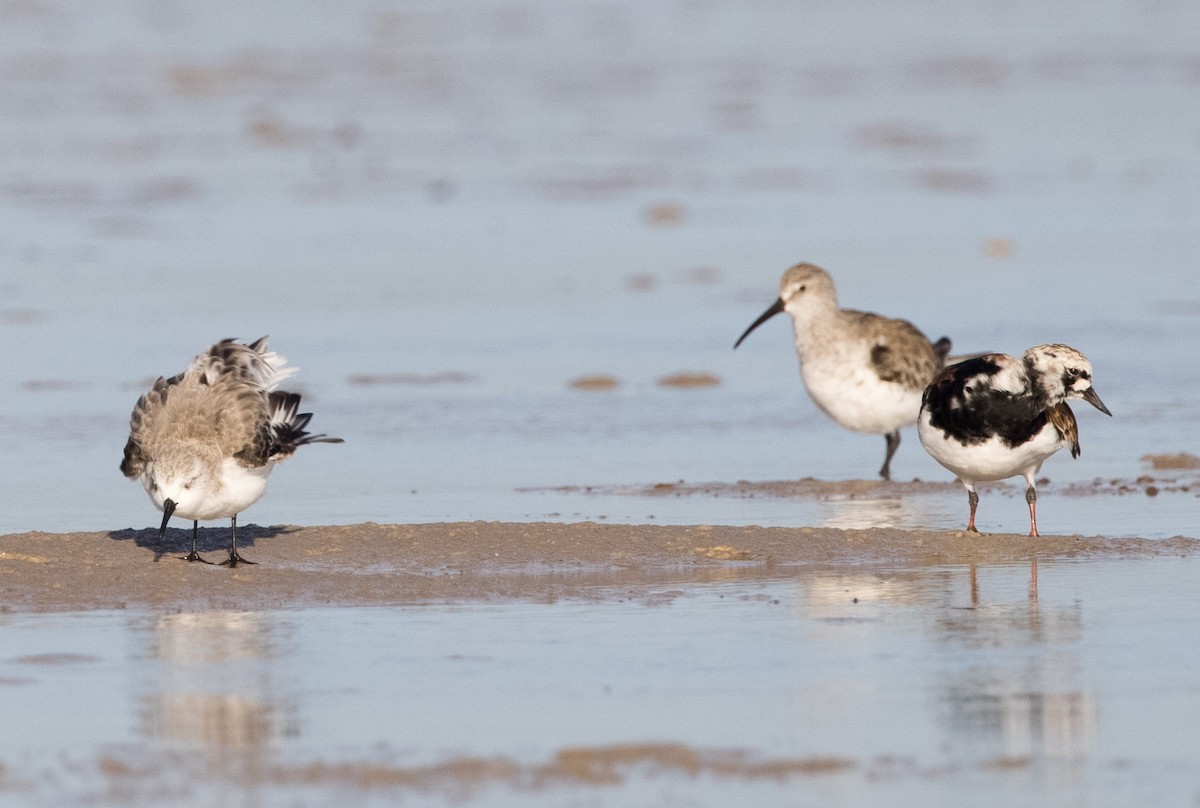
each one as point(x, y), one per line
point(1073, 373)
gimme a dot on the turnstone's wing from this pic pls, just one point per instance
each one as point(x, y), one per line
point(900, 353)
point(984, 397)
point(1063, 419)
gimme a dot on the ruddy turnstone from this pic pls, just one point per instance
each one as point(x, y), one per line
point(204, 441)
point(994, 416)
point(863, 370)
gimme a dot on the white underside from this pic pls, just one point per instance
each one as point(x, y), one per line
point(992, 459)
point(237, 489)
point(854, 396)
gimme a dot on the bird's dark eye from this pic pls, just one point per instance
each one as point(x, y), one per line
point(1073, 372)
point(802, 287)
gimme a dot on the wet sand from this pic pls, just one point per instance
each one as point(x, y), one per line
point(373, 564)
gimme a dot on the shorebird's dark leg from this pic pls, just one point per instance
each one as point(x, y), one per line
point(193, 555)
point(973, 500)
point(893, 443)
point(1031, 498)
point(234, 559)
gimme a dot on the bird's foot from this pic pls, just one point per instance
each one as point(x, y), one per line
point(235, 559)
point(194, 556)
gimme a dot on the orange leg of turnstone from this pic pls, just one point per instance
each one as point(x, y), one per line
point(973, 500)
point(1031, 498)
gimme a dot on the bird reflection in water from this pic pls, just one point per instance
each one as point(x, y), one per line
point(218, 686)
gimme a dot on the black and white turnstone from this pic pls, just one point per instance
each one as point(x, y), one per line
point(203, 442)
point(994, 416)
point(863, 370)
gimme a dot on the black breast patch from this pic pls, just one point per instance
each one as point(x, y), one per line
point(962, 403)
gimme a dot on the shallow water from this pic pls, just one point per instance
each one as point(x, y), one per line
point(861, 685)
point(479, 203)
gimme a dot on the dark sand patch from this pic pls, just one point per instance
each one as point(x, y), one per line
point(372, 564)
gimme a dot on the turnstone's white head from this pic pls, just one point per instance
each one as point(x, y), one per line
point(1059, 372)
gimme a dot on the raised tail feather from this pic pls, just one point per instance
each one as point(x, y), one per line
point(287, 426)
point(941, 349)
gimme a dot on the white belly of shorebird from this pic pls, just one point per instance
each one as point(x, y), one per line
point(991, 459)
point(236, 489)
point(859, 400)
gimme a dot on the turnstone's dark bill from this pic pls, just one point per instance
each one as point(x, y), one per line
point(864, 371)
point(204, 441)
point(993, 416)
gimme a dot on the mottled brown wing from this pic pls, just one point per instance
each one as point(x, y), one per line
point(900, 353)
point(141, 425)
point(248, 439)
point(1061, 417)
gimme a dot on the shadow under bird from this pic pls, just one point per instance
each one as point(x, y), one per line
point(203, 442)
point(993, 416)
point(863, 370)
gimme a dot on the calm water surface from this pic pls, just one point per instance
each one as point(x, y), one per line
point(939, 685)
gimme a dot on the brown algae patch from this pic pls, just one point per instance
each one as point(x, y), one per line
point(597, 381)
point(598, 766)
point(1163, 462)
point(685, 380)
point(664, 214)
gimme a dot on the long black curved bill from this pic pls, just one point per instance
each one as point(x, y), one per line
point(775, 308)
point(168, 509)
point(1091, 398)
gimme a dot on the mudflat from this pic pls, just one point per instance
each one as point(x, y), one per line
point(375, 564)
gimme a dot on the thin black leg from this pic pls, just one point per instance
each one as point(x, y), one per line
point(893, 443)
point(193, 555)
point(234, 559)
